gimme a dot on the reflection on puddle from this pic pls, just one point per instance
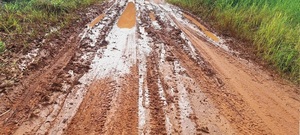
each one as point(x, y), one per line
point(203, 28)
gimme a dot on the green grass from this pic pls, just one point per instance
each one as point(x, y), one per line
point(2, 47)
point(22, 21)
point(271, 27)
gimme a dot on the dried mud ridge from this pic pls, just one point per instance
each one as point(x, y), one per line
point(145, 67)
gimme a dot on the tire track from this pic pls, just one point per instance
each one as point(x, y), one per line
point(94, 109)
point(156, 104)
point(123, 117)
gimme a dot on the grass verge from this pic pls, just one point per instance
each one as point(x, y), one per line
point(271, 27)
point(2, 47)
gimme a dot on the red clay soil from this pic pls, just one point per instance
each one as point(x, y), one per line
point(145, 67)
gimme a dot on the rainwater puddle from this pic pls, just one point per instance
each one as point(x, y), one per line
point(128, 19)
point(202, 27)
point(96, 20)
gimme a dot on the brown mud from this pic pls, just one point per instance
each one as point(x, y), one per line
point(145, 67)
point(152, 16)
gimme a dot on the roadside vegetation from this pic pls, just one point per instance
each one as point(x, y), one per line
point(272, 27)
point(24, 21)
point(2, 47)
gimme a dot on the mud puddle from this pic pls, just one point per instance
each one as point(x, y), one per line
point(96, 20)
point(202, 27)
point(128, 19)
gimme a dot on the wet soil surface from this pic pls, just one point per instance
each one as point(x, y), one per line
point(145, 67)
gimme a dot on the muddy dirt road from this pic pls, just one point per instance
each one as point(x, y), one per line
point(147, 67)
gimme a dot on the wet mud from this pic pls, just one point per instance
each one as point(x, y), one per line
point(145, 67)
point(152, 16)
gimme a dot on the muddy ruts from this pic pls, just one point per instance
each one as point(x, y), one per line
point(156, 105)
point(93, 43)
point(233, 107)
point(94, 109)
point(37, 88)
point(78, 60)
point(173, 39)
point(203, 72)
point(123, 116)
point(109, 104)
point(43, 87)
